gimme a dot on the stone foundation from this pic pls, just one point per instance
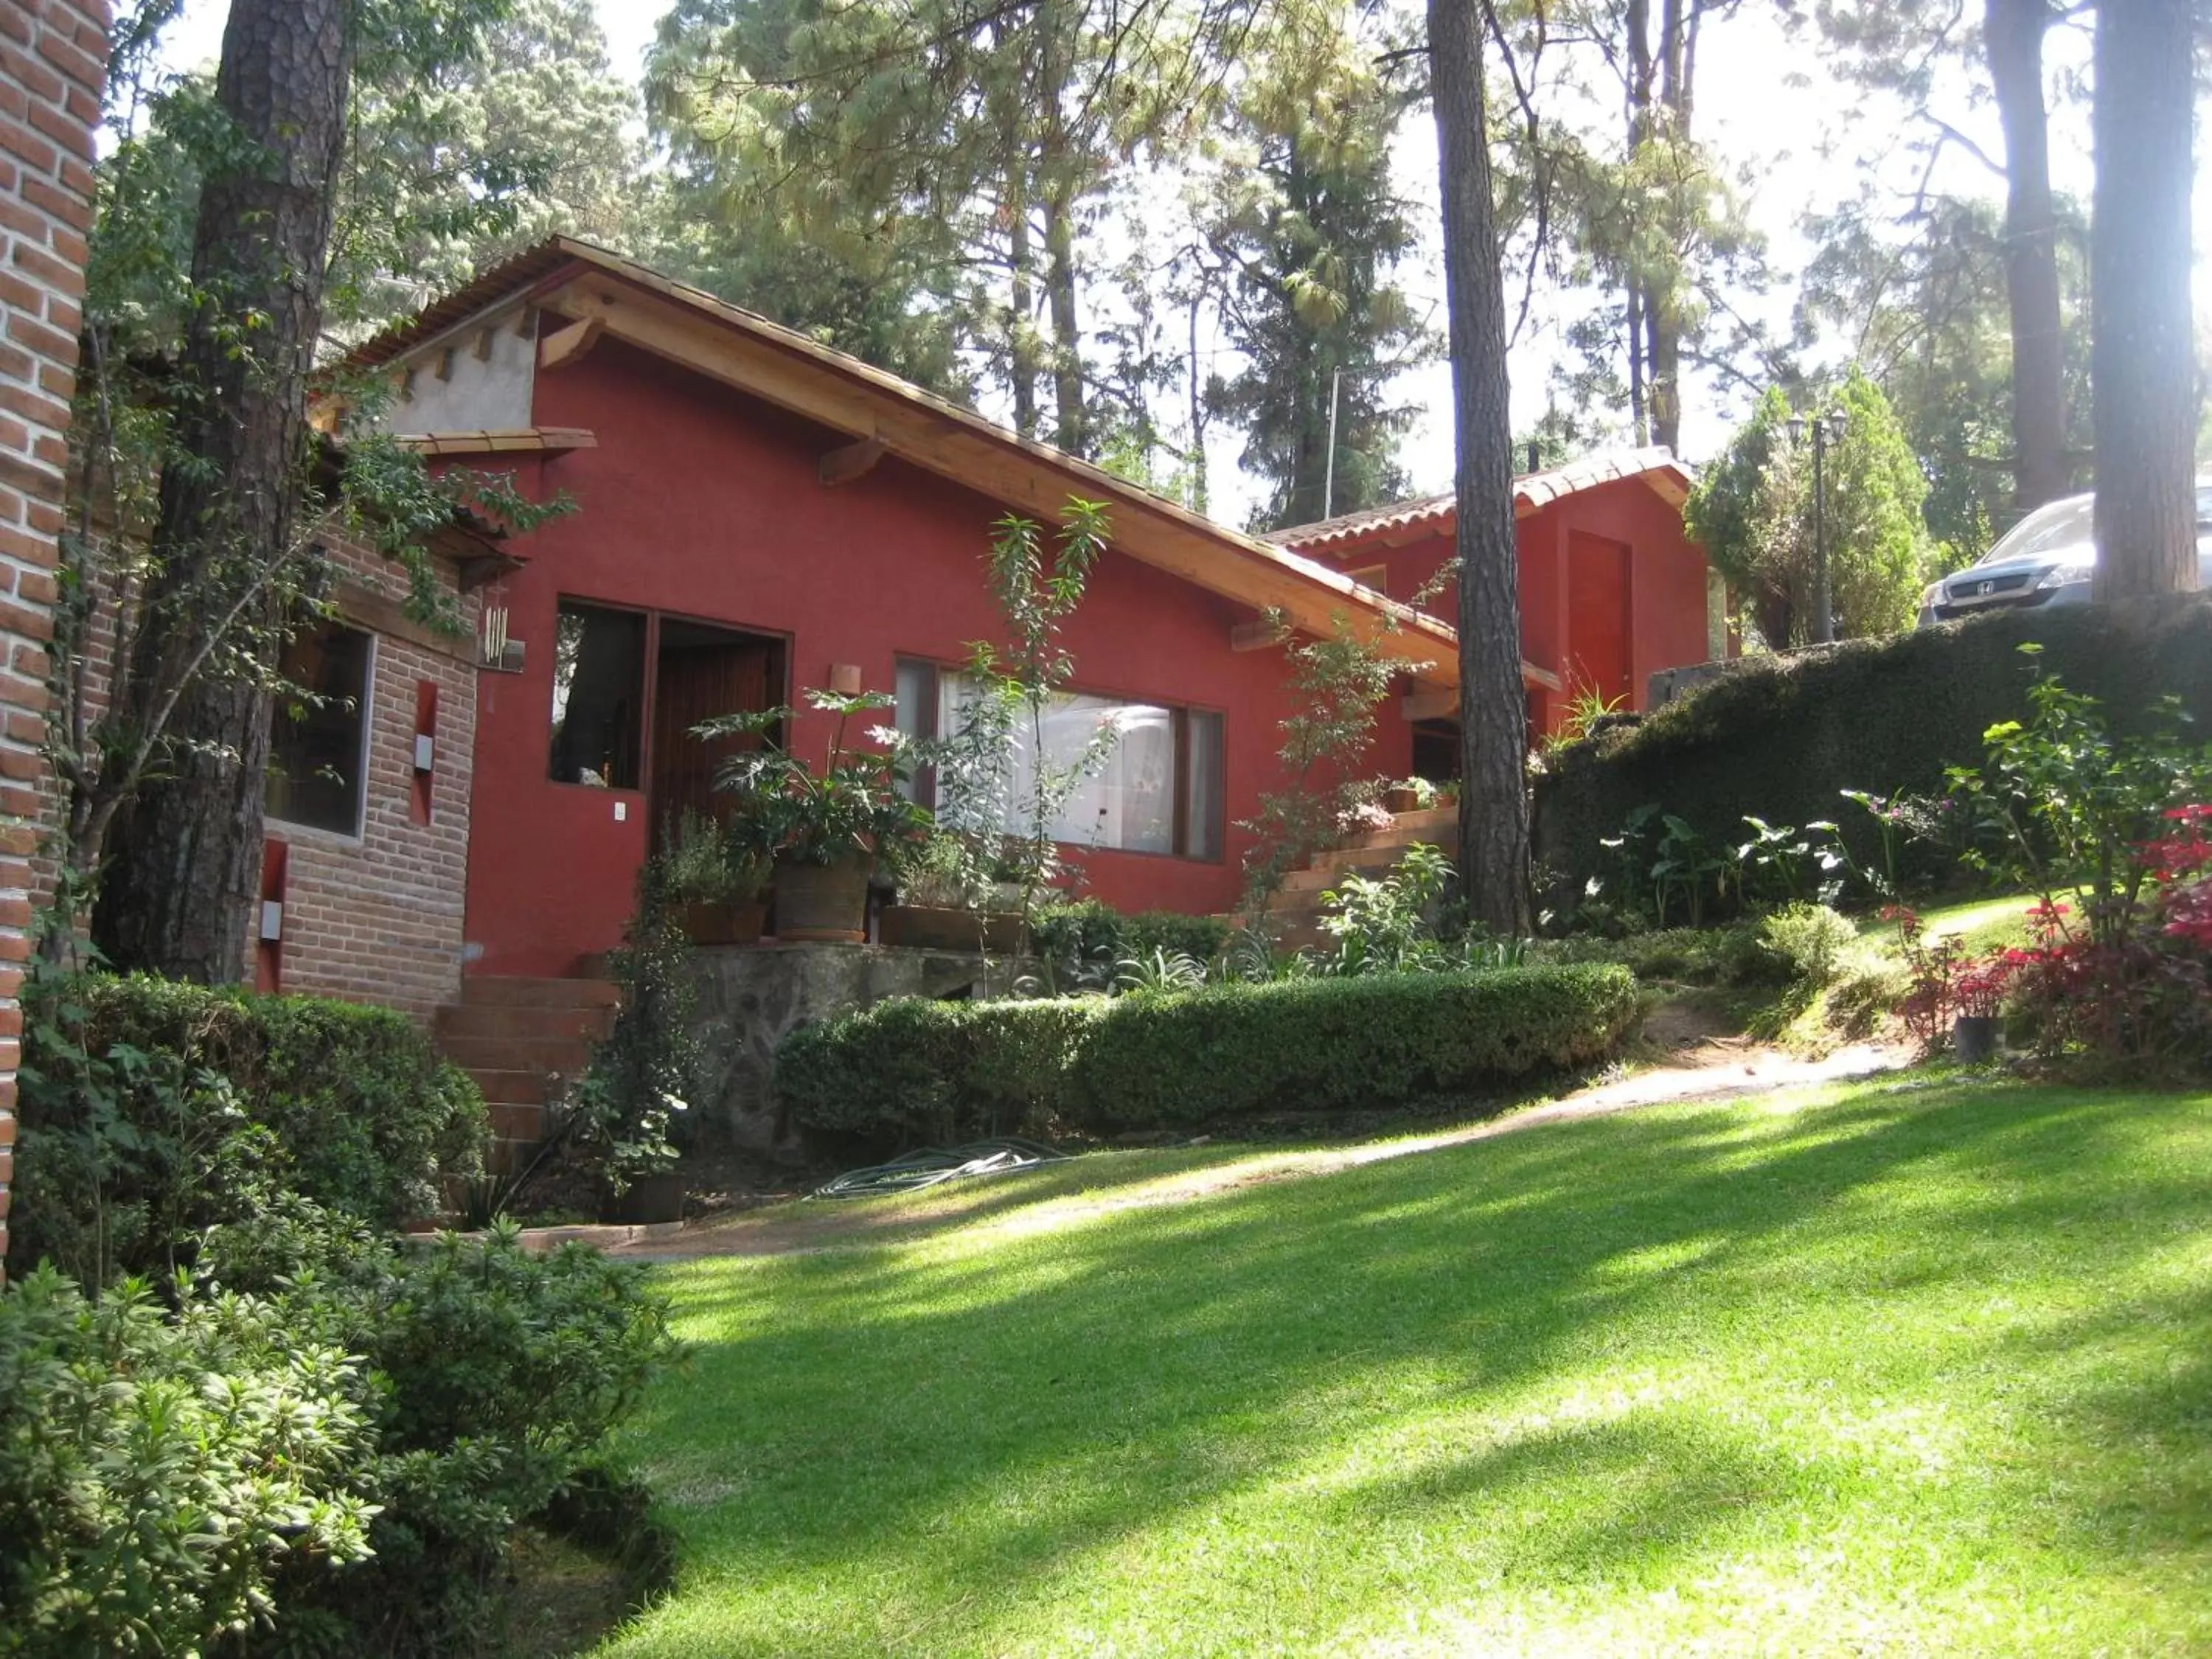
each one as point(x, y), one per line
point(750, 997)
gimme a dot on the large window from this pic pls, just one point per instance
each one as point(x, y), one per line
point(1154, 785)
point(317, 747)
point(599, 696)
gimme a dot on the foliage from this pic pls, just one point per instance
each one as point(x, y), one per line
point(1753, 510)
point(1000, 795)
point(908, 1070)
point(620, 1114)
point(1083, 943)
point(1336, 685)
point(1724, 956)
point(1300, 215)
point(1389, 923)
point(702, 864)
point(2132, 996)
point(1815, 940)
point(159, 1469)
point(151, 1109)
point(783, 808)
point(1781, 738)
point(497, 1377)
point(2063, 801)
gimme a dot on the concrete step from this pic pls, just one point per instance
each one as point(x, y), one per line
point(459, 1020)
point(515, 991)
point(474, 1054)
point(1388, 840)
point(1419, 826)
point(1366, 862)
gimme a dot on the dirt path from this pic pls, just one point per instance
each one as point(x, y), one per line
point(1700, 1067)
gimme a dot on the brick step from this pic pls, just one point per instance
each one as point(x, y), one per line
point(459, 1020)
point(474, 1054)
point(515, 991)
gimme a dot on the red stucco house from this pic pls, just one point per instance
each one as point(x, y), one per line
point(1613, 590)
point(757, 515)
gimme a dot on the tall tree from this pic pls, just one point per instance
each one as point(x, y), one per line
point(2013, 35)
point(1493, 812)
point(1307, 228)
point(2142, 361)
point(181, 889)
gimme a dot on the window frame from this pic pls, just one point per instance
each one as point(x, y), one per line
point(1179, 715)
point(367, 715)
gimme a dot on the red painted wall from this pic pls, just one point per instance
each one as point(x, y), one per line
point(701, 502)
point(1667, 582)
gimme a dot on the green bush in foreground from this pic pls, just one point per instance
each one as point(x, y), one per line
point(152, 1110)
point(907, 1070)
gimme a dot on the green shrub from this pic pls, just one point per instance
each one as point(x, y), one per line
point(1815, 941)
point(159, 1470)
point(1377, 1041)
point(908, 1071)
point(1081, 944)
point(152, 1110)
point(498, 1378)
point(1683, 956)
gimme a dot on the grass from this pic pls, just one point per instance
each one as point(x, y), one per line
point(1923, 1366)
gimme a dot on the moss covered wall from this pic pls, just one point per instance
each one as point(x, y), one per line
point(1780, 736)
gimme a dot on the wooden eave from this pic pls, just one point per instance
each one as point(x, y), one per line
point(527, 440)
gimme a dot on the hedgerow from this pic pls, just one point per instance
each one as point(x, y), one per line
point(908, 1071)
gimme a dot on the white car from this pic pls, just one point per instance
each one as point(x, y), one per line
point(2049, 558)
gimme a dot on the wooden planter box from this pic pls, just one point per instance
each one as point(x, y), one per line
point(923, 927)
point(724, 923)
point(824, 904)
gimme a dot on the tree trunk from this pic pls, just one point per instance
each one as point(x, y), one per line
point(1021, 350)
point(2142, 361)
point(1072, 430)
point(2015, 30)
point(179, 895)
point(1493, 812)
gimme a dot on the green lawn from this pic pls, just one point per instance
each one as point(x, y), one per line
point(1922, 1366)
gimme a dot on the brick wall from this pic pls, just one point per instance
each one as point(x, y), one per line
point(378, 918)
point(53, 56)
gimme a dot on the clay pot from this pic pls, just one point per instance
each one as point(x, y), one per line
point(723, 923)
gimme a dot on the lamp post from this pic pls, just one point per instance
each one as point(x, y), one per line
point(1823, 427)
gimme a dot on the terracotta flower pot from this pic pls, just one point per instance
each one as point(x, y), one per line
point(926, 927)
point(1401, 800)
point(826, 902)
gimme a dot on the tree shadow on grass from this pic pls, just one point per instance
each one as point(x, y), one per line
point(963, 1431)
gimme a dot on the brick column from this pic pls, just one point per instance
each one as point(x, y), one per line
point(53, 57)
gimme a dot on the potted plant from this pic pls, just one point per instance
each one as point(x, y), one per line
point(1409, 795)
point(1978, 990)
point(947, 901)
point(821, 829)
point(714, 884)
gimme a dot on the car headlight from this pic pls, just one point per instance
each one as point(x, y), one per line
point(2066, 574)
point(1931, 594)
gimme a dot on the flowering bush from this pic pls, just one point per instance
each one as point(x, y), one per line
point(2132, 989)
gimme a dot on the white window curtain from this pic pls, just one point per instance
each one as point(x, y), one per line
point(1127, 801)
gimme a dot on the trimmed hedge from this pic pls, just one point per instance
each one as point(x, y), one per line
point(910, 1070)
point(152, 1108)
point(1783, 737)
point(1091, 931)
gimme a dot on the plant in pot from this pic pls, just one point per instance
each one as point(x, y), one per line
point(1409, 795)
point(949, 899)
point(715, 884)
point(822, 829)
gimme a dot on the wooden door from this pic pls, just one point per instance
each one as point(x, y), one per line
point(698, 679)
point(1600, 653)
